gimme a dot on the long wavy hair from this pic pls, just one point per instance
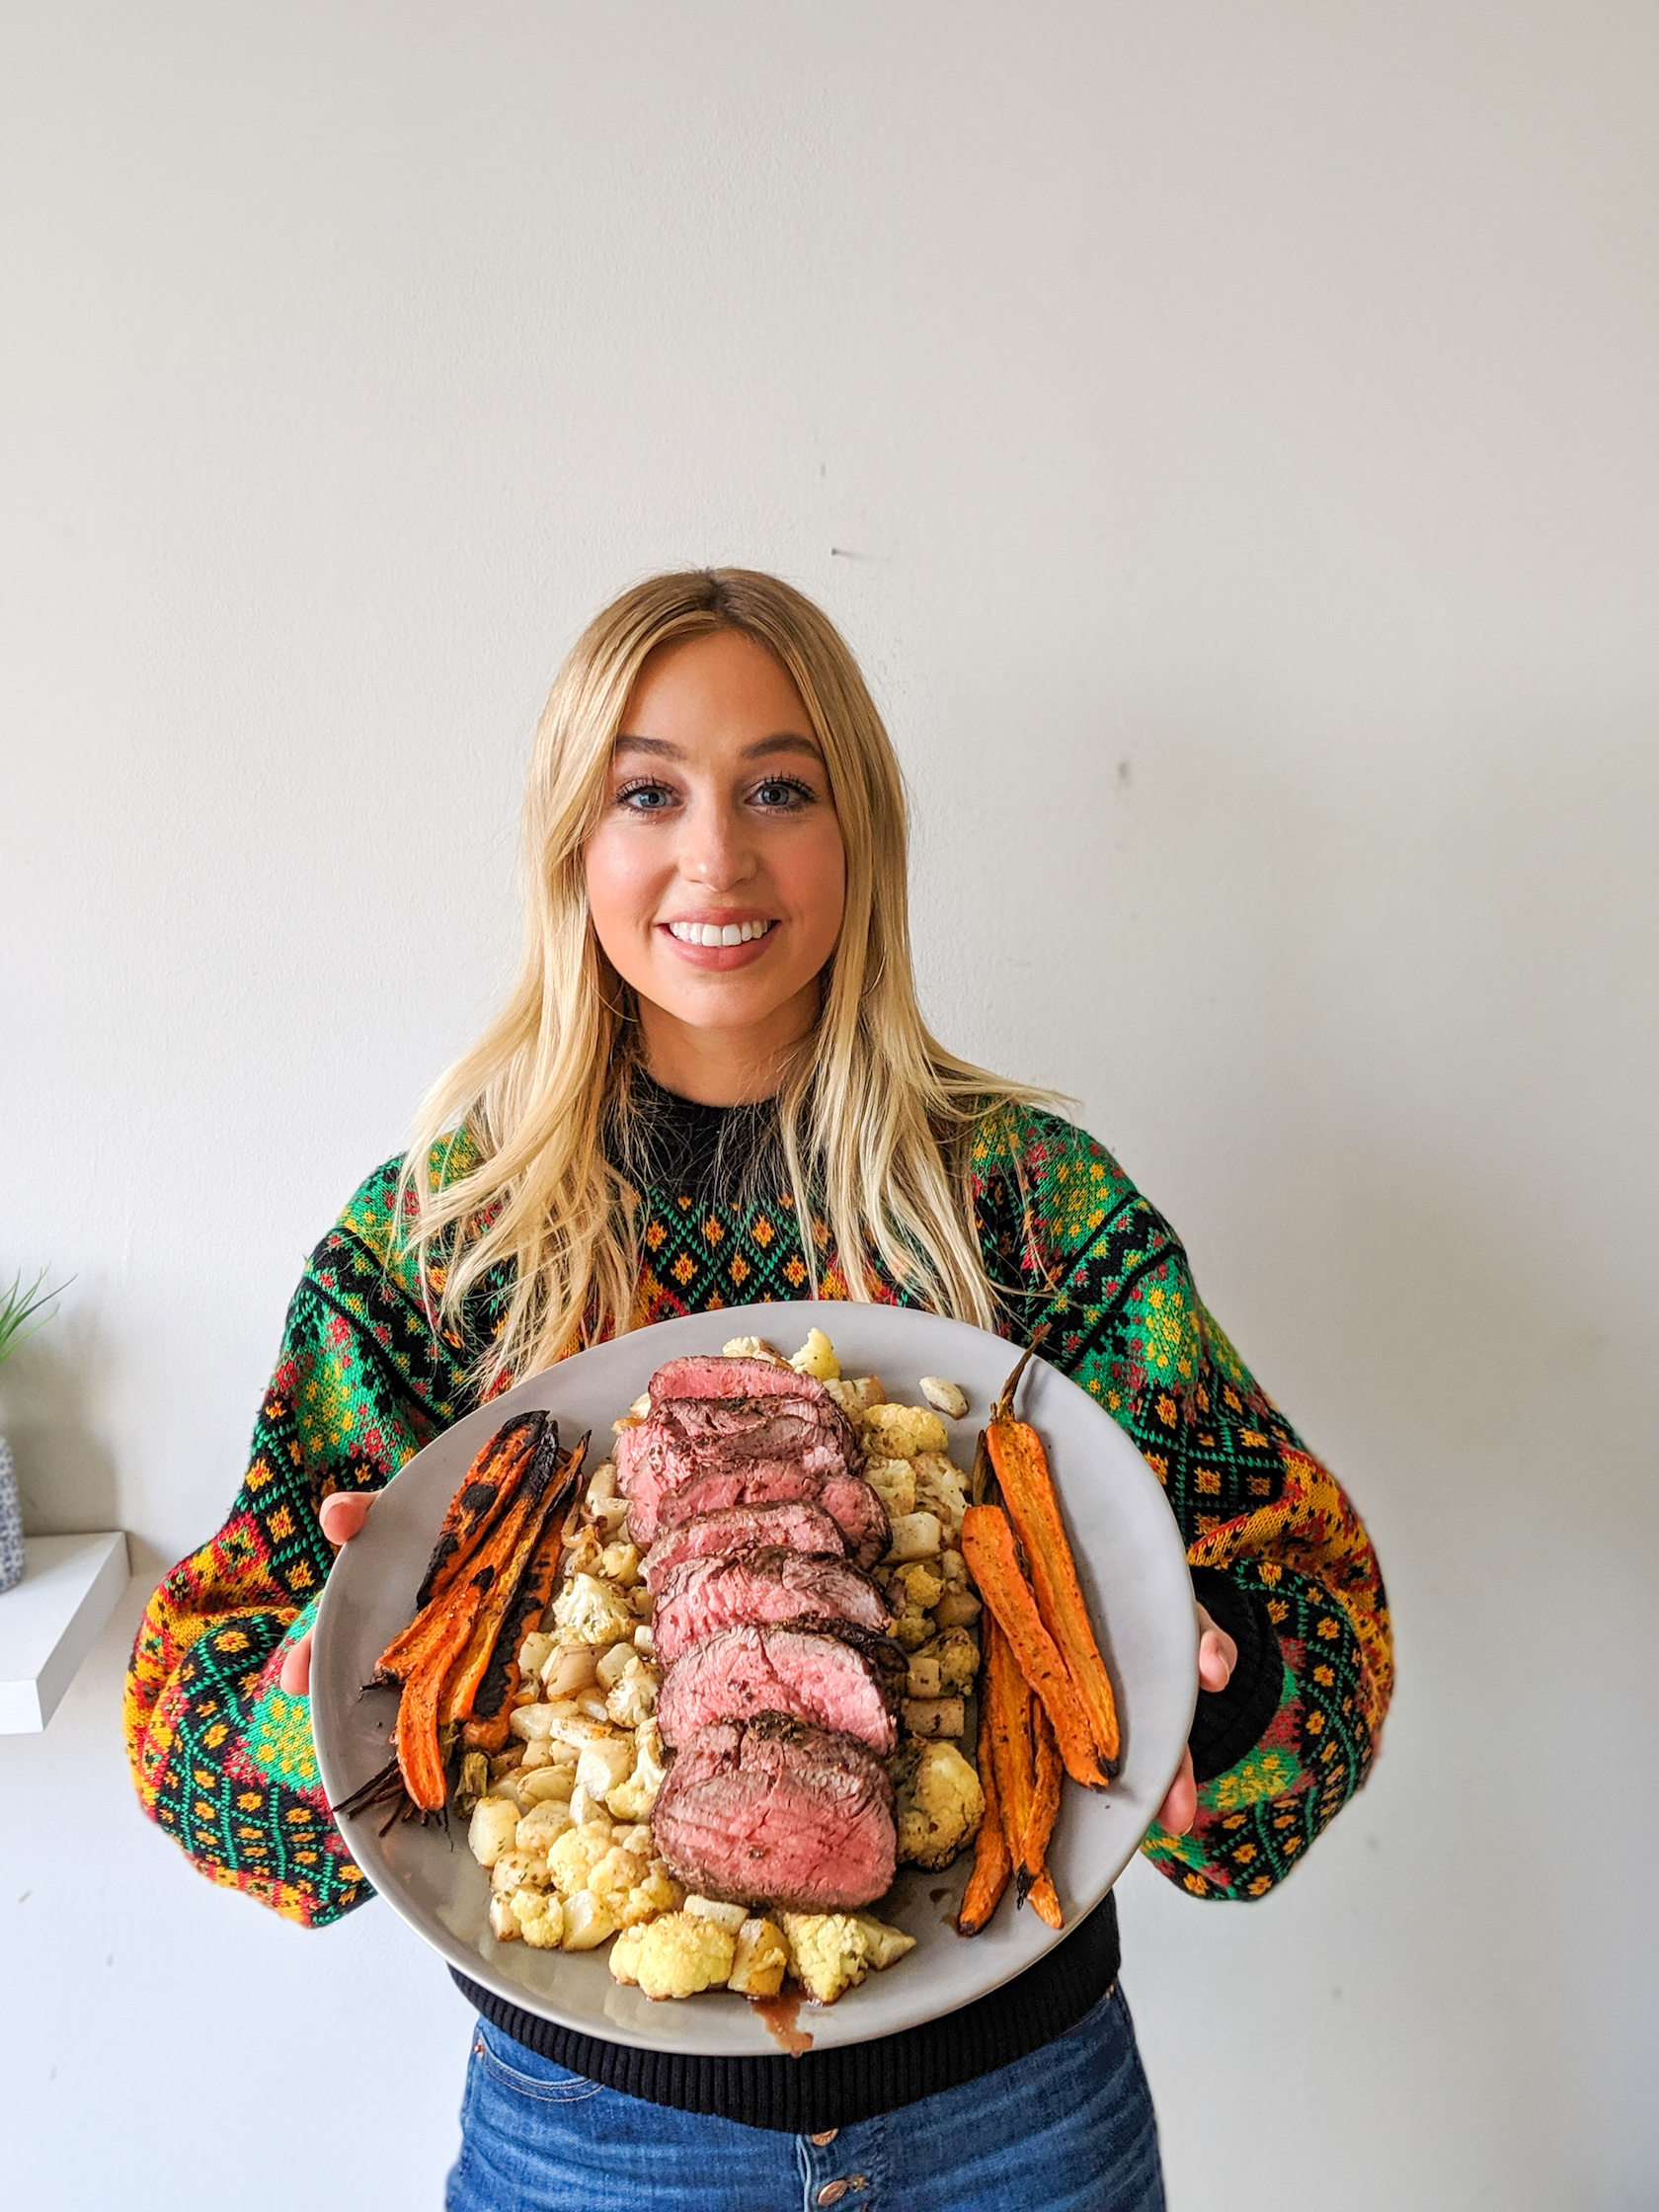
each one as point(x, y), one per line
point(513, 1173)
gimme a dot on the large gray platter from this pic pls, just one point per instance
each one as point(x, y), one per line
point(1133, 1573)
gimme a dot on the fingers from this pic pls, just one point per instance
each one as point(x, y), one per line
point(295, 1675)
point(1217, 1655)
point(1180, 1808)
point(343, 1514)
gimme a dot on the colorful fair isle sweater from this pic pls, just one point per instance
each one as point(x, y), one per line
point(223, 1760)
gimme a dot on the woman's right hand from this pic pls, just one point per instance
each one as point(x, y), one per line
point(342, 1517)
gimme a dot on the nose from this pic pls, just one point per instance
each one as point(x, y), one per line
point(717, 854)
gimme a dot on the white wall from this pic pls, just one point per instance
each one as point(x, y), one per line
point(1236, 427)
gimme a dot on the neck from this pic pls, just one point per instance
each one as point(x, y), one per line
point(725, 1067)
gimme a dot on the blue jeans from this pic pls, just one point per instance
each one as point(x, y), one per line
point(1070, 2128)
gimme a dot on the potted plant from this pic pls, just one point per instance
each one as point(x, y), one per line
point(22, 1312)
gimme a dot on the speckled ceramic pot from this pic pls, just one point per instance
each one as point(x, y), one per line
point(10, 1522)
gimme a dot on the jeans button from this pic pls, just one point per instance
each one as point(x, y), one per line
point(828, 2136)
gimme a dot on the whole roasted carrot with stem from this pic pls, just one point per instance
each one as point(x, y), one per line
point(1028, 1494)
point(987, 1546)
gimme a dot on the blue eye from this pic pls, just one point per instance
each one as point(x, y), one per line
point(778, 793)
point(644, 798)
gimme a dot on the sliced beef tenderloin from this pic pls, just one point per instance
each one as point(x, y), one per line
point(797, 1524)
point(778, 1812)
point(741, 1672)
point(860, 1516)
point(700, 1431)
point(701, 1377)
point(654, 1505)
point(700, 1597)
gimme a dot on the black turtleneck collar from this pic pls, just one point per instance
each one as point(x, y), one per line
point(678, 1146)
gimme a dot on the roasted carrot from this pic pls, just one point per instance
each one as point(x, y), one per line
point(1044, 1903)
point(987, 1546)
point(989, 1877)
point(495, 1484)
point(1028, 1494)
point(418, 1751)
point(489, 1482)
point(544, 1496)
point(1005, 1726)
point(1045, 1804)
point(492, 1705)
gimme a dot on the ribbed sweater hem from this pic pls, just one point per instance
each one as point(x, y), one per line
point(838, 2088)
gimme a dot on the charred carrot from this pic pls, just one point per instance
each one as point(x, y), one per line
point(1028, 1493)
point(545, 1490)
point(492, 1705)
point(489, 1486)
point(987, 1546)
point(470, 1534)
point(989, 1877)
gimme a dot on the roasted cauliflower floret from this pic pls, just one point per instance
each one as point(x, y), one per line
point(899, 1432)
point(653, 1896)
point(830, 1952)
point(633, 1799)
point(894, 1481)
point(633, 1694)
point(540, 1916)
point(826, 1953)
point(674, 1956)
point(941, 1487)
point(575, 1855)
point(589, 1611)
point(958, 1657)
point(816, 1358)
point(940, 1806)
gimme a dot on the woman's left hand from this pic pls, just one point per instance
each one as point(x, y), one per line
point(1217, 1655)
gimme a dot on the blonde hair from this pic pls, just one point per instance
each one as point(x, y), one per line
point(509, 1176)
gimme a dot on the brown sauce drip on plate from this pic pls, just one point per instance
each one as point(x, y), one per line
point(780, 2013)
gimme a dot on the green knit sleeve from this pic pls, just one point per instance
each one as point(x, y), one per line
point(1078, 1250)
point(221, 1755)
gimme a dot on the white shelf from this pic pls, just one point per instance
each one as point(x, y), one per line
point(51, 1619)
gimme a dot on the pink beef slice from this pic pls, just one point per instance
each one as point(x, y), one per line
point(776, 1811)
point(654, 1505)
point(798, 1523)
point(703, 1376)
point(742, 1671)
point(700, 1597)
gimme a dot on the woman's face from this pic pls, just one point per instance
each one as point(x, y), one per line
point(716, 875)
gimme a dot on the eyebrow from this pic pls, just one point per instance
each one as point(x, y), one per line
point(763, 749)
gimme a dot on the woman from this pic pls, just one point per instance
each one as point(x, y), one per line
point(712, 1084)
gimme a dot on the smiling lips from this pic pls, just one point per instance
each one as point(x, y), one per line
point(713, 933)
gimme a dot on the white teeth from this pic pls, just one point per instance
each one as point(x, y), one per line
point(713, 933)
